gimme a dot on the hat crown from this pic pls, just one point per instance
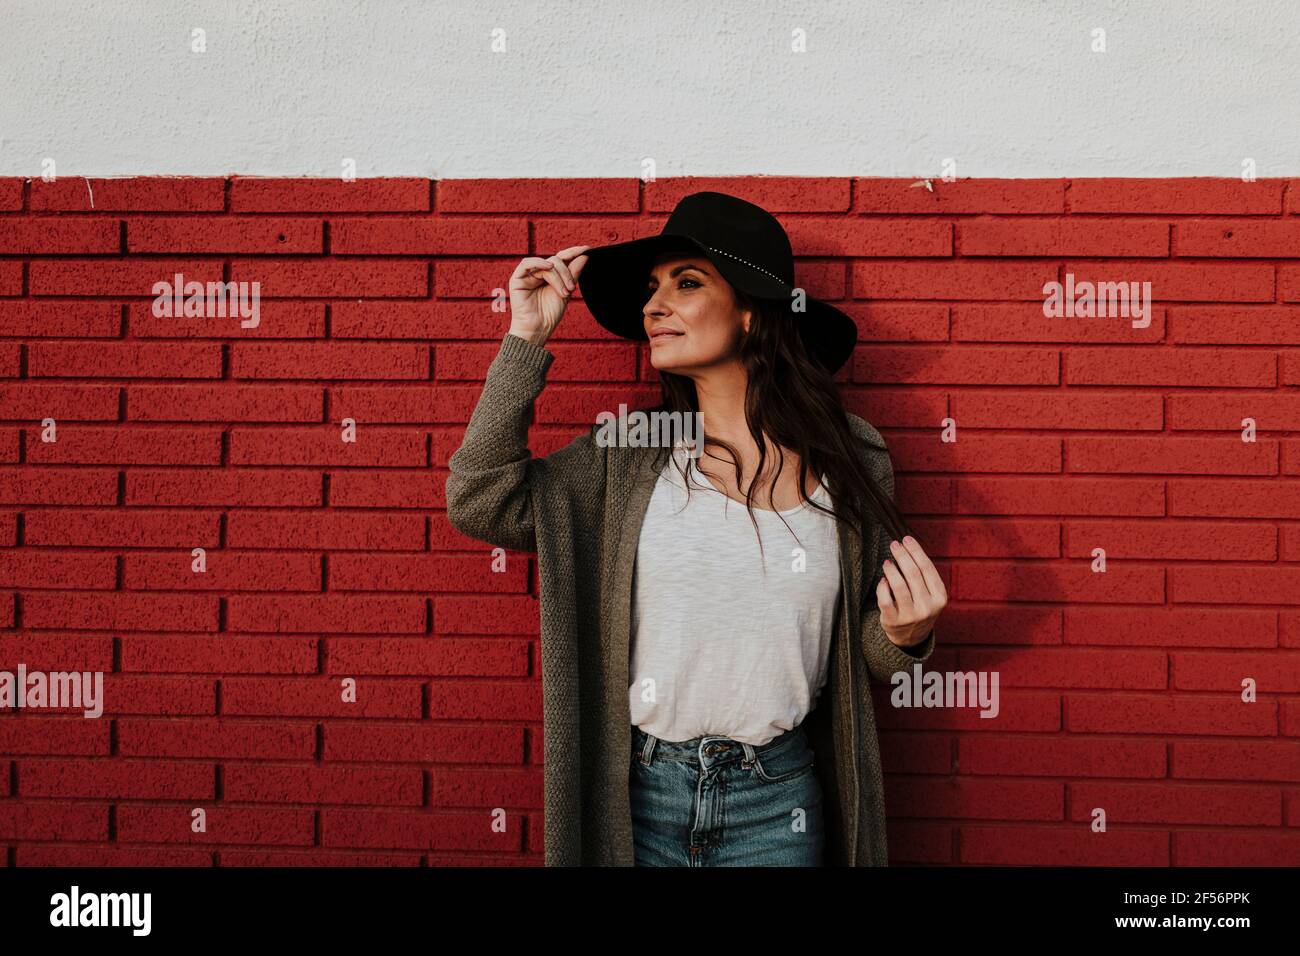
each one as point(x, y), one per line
point(736, 228)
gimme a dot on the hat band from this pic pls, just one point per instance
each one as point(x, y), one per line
point(748, 263)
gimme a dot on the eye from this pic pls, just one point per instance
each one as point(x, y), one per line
point(681, 283)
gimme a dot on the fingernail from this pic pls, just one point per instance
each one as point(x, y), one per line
point(910, 540)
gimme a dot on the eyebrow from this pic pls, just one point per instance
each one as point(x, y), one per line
point(679, 269)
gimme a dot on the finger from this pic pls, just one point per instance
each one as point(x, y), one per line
point(578, 264)
point(915, 580)
point(885, 601)
point(563, 271)
point(528, 269)
point(546, 272)
point(928, 570)
point(902, 593)
point(571, 252)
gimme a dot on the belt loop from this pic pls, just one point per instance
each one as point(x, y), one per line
point(749, 755)
point(649, 748)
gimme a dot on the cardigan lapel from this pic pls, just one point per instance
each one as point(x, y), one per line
point(632, 485)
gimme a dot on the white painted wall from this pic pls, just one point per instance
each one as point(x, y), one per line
point(586, 88)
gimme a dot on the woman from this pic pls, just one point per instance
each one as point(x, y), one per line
point(710, 641)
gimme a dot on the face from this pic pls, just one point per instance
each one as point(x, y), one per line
point(686, 295)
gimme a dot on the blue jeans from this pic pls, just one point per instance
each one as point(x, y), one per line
point(715, 801)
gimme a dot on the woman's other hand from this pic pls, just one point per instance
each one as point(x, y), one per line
point(540, 290)
point(910, 595)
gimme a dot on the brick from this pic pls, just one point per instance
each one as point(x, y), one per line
point(887, 195)
point(1155, 714)
point(421, 320)
point(1235, 325)
point(959, 279)
point(1233, 368)
point(63, 403)
point(1063, 237)
point(972, 798)
point(605, 363)
point(988, 538)
point(775, 193)
point(1017, 322)
point(1074, 583)
point(1170, 627)
point(224, 403)
point(184, 235)
point(224, 571)
point(133, 194)
point(122, 528)
point(1169, 456)
point(537, 195)
point(1236, 499)
point(332, 531)
point(77, 318)
point(164, 824)
point(861, 237)
point(1062, 757)
point(461, 236)
point(117, 779)
point(966, 622)
point(1236, 848)
point(1059, 496)
point(1070, 667)
point(116, 277)
point(123, 360)
point(1183, 540)
point(422, 742)
point(1180, 803)
point(58, 235)
point(274, 318)
point(290, 277)
point(329, 361)
point(56, 486)
point(899, 322)
point(325, 447)
point(32, 570)
point(216, 738)
point(421, 572)
point(111, 612)
point(1067, 409)
point(314, 697)
point(1056, 846)
point(1272, 672)
point(227, 486)
point(1173, 281)
point(976, 453)
point(1218, 584)
point(274, 194)
point(1266, 760)
point(1225, 411)
point(335, 614)
point(423, 658)
point(42, 820)
point(1236, 238)
point(299, 783)
point(956, 366)
point(1182, 196)
point(226, 654)
point(96, 445)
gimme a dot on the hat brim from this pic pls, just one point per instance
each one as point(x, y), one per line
point(614, 288)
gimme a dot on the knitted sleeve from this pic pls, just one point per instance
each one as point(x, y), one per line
point(884, 657)
point(493, 474)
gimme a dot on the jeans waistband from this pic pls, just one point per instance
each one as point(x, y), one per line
point(709, 749)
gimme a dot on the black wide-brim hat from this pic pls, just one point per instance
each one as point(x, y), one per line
point(745, 243)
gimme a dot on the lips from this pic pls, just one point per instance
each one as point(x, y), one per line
point(663, 334)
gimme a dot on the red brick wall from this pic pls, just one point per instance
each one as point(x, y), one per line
point(329, 560)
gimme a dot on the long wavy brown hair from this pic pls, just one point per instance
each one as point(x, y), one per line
point(793, 400)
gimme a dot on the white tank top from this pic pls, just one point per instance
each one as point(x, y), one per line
point(717, 647)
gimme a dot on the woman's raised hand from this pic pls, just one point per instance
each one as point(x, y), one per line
point(910, 595)
point(540, 290)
